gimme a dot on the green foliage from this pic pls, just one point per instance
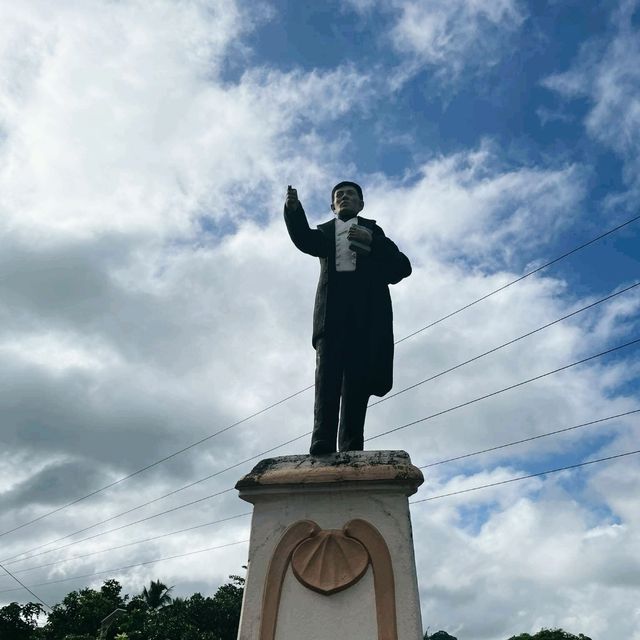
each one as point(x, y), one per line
point(19, 622)
point(194, 618)
point(79, 615)
point(439, 635)
point(157, 595)
point(151, 615)
point(154, 615)
point(550, 634)
point(199, 617)
point(135, 621)
point(227, 603)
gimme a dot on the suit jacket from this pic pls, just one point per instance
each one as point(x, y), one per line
point(385, 265)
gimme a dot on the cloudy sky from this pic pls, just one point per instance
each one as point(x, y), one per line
point(150, 296)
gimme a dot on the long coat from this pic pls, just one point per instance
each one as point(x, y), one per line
point(373, 326)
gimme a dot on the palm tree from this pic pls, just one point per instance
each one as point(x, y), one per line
point(157, 595)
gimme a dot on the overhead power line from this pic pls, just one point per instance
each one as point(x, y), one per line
point(131, 544)
point(24, 586)
point(293, 395)
point(16, 558)
point(526, 275)
point(151, 465)
point(429, 417)
point(530, 475)
point(129, 566)
point(248, 513)
point(388, 397)
point(541, 435)
point(121, 546)
point(122, 513)
point(506, 344)
point(503, 390)
point(190, 553)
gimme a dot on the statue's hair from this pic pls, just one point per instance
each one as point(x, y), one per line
point(344, 183)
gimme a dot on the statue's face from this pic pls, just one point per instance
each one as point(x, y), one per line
point(346, 199)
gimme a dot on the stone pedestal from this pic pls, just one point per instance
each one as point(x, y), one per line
point(331, 551)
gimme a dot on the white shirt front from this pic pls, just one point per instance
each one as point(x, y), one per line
point(345, 257)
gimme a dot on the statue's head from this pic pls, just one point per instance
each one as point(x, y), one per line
point(346, 197)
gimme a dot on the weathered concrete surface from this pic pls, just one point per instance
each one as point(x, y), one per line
point(355, 466)
point(331, 491)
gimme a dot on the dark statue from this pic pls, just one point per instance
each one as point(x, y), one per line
point(352, 318)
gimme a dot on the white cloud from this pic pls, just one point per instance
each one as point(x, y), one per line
point(608, 74)
point(57, 352)
point(201, 335)
point(118, 321)
point(467, 205)
point(150, 296)
point(204, 335)
point(118, 118)
point(539, 556)
point(450, 36)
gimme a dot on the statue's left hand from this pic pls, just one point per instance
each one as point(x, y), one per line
point(360, 234)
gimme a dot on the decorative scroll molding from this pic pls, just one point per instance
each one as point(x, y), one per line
point(278, 565)
point(383, 581)
point(331, 561)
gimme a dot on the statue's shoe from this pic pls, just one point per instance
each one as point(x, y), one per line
point(322, 448)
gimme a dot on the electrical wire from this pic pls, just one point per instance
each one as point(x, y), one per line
point(526, 275)
point(434, 415)
point(13, 559)
point(531, 475)
point(293, 395)
point(505, 344)
point(499, 391)
point(129, 566)
point(153, 464)
point(128, 544)
point(388, 397)
point(248, 513)
point(118, 515)
point(541, 435)
point(429, 498)
point(24, 586)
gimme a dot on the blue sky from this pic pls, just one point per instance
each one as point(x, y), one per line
point(506, 102)
point(151, 294)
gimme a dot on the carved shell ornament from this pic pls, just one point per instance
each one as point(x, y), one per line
point(329, 562)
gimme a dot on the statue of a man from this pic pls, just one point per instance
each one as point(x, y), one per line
point(352, 318)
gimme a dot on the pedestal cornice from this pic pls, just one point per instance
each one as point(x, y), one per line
point(392, 468)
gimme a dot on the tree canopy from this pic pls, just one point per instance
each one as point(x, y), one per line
point(154, 615)
point(439, 635)
point(550, 634)
point(150, 615)
point(157, 595)
point(19, 622)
